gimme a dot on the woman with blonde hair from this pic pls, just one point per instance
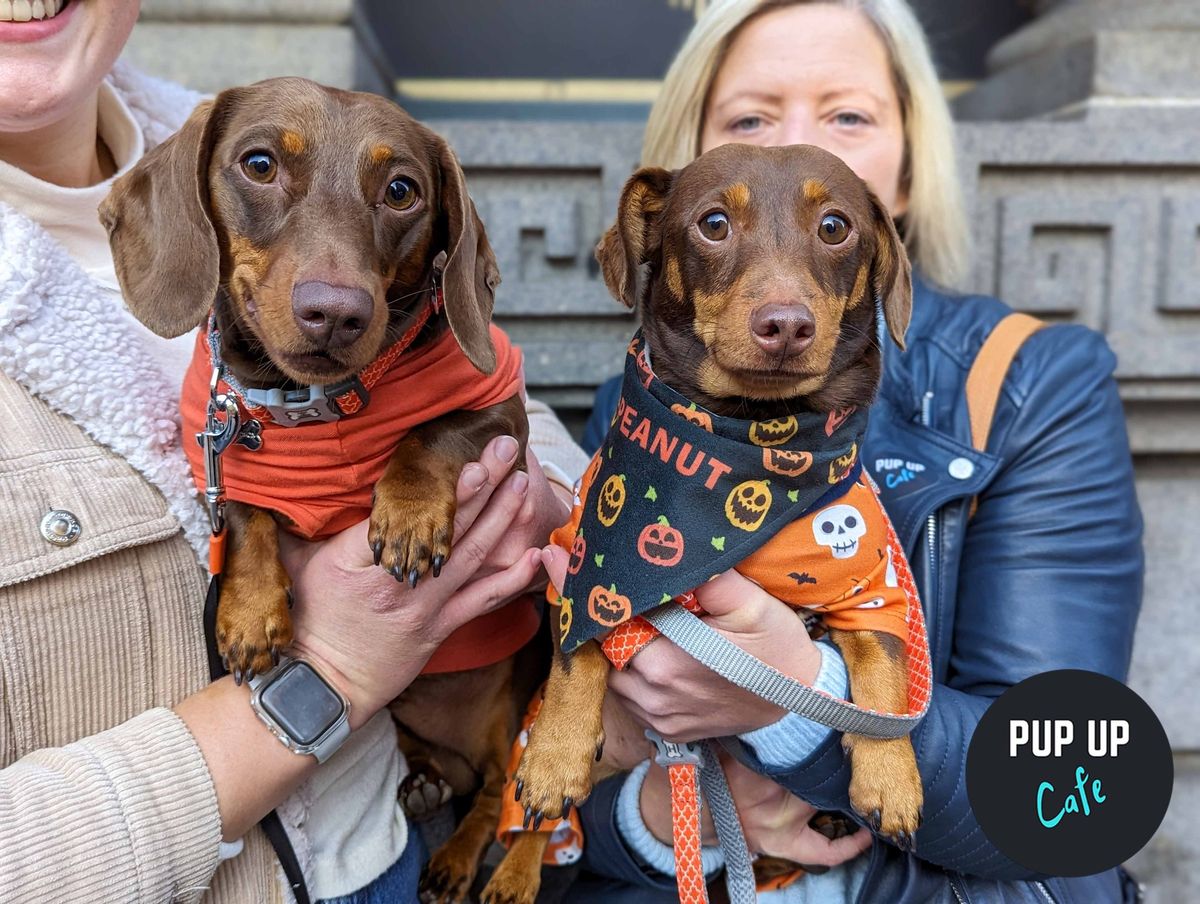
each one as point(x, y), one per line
point(1014, 578)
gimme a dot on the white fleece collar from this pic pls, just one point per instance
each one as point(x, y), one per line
point(62, 338)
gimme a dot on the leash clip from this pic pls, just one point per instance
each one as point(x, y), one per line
point(219, 434)
point(672, 753)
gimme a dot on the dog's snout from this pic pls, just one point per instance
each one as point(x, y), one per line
point(331, 316)
point(783, 328)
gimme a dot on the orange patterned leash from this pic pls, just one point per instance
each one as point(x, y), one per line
point(685, 832)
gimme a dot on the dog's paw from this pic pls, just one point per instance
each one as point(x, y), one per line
point(254, 627)
point(885, 787)
point(502, 889)
point(410, 529)
point(446, 879)
point(555, 772)
point(423, 793)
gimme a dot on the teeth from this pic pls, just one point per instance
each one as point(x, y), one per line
point(27, 10)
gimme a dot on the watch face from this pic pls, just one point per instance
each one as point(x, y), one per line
point(301, 703)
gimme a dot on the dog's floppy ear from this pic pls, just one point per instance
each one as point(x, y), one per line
point(471, 273)
point(633, 238)
point(162, 238)
point(891, 274)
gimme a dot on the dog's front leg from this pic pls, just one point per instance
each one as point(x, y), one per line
point(253, 622)
point(412, 517)
point(885, 786)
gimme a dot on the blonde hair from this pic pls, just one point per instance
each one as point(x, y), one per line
point(934, 227)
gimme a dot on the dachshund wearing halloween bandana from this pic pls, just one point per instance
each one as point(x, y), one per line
point(760, 275)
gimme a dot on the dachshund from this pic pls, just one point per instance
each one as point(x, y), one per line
point(327, 246)
point(759, 274)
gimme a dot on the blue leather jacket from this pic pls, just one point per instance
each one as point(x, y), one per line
point(1046, 575)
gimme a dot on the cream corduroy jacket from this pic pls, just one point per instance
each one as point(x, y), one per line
point(104, 795)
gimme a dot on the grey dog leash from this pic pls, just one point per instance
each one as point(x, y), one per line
point(731, 662)
point(715, 651)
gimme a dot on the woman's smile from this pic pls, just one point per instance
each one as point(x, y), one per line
point(26, 10)
point(32, 20)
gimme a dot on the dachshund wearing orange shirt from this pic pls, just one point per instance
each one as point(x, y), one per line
point(326, 243)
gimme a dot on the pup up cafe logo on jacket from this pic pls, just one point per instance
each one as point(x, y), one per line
point(1069, 773)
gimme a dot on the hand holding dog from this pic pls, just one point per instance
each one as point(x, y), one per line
point(371, 634)
point(652, 687)
point(774, 820)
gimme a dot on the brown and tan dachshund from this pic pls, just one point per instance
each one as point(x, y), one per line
point(757, 273)
point(313, 222)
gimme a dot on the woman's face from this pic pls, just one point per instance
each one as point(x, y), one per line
point(49, 66)
point(818, 74)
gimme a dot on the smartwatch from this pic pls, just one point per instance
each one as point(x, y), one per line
point(304, 711)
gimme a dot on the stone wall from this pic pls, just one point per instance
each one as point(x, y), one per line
point(212, 44)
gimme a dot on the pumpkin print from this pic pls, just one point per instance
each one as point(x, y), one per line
point(578, 552)
point(747, 504)
point(660, 544)
point(789, 464)
point(837, 417)
point(607, 607)
point(611, 501)
point(643, 366)
point(774, 432)
point(565, 617)
point(700, 418)
point(839, 468)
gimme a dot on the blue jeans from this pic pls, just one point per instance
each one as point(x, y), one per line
point(398, 884)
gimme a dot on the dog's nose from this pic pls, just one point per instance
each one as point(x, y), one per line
point(783, 328)
point(331, 316)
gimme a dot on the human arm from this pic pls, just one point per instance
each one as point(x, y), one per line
point(1050, 578)
point(136, 812)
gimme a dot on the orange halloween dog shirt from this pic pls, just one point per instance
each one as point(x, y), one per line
point(321, 475)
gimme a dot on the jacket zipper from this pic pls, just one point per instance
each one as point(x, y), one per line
point(931, 523)
point(960, 897)
point(1041, 886)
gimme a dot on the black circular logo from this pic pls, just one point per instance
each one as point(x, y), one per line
point(1069, 773)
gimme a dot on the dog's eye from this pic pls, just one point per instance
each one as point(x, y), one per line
point(833, 230)
point(400, 194)
point(259, 167)
point(714, 226)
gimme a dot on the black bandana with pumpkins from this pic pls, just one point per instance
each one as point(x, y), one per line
point(676, 495)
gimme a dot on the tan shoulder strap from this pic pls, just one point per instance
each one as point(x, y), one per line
point(987, 374)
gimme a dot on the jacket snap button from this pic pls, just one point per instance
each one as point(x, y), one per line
point(961, 468)
point(61, 527)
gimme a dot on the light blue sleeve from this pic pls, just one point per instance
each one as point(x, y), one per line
point(787, 743)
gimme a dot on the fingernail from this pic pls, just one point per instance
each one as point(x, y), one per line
point(474, 476)
point(506, 448)
point(520, 483)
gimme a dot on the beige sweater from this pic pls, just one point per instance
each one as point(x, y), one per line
point(104, 795)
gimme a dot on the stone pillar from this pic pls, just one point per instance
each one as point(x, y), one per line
point(1082, 170)
point(1082, 58)
point(213, 44)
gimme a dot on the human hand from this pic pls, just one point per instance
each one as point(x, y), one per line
point(370, 634)
point(681, 699)
point(546, 507)
point(774, 821)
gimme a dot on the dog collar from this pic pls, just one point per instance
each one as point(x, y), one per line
point(325, 402)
